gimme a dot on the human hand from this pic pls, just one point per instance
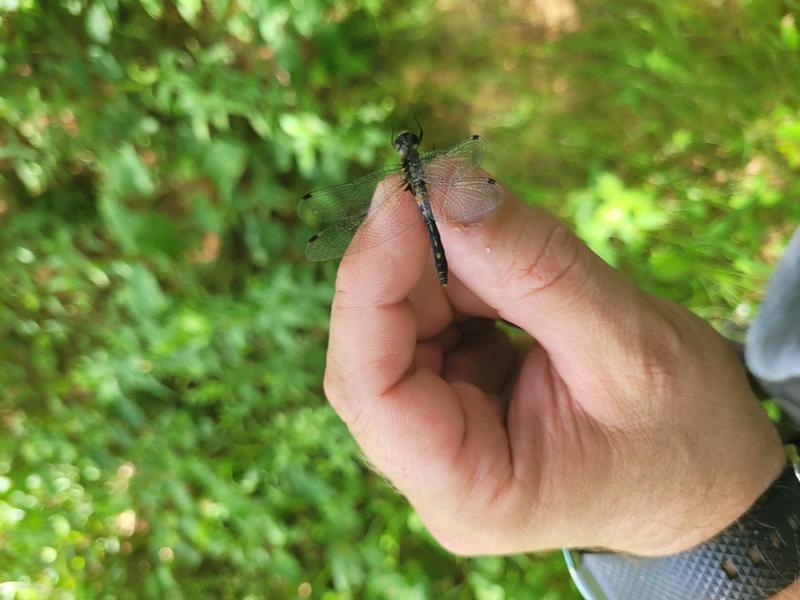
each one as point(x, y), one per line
point(628, 423)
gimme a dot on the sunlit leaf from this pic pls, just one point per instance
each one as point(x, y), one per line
point(98, 23)
point(189, 9)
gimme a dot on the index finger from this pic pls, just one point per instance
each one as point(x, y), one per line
point(373, 325)
point(399, 413)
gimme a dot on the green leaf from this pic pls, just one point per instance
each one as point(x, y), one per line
point(788, 141)
point(219, 8)
point(789, 33)
point(145, 295)
point(154, 8)
point(670, 264)
point(98, 23)
point(272, 25)
point(126, 173)
point(157, 233)
point(225, 162)
point(189, 9)
point(346, 568)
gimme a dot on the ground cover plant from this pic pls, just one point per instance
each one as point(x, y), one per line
point(162, 427)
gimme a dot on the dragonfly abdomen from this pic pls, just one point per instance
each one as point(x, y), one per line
point(420, 192)
point(415, 182)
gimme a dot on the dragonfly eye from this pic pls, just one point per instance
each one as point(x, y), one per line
point(406, 140)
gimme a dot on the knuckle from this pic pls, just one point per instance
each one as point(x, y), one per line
point(330, 385)
point(335, 389)
point(357, 425)
point(558, 260)
point(345, 295)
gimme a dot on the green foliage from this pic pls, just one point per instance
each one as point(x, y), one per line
point(162, 427)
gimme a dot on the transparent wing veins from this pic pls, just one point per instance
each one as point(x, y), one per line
point(464, 199)
point(358, 217)
point(393, 211)
point(344, 200)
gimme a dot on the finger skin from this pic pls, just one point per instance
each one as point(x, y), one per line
point(527, 265)
point(464, 301)
point(431, 306)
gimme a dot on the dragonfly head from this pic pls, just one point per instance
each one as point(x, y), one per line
point(406, 141)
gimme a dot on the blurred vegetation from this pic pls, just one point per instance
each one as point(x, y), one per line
point(162, 427)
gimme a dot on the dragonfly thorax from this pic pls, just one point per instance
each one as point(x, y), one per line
point(406, 143)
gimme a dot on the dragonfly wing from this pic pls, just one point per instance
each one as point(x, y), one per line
point(393, 212)
point(332, 242)
point(463, 200)
point(471, 150)
point(345, 200)
point(460, 162)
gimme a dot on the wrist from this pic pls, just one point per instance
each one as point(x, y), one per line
point(756, 557)
point(708, 494)
point(727, 501)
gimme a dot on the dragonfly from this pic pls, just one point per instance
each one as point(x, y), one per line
point(440, 186)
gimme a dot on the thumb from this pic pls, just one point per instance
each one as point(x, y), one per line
point(537, 274)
